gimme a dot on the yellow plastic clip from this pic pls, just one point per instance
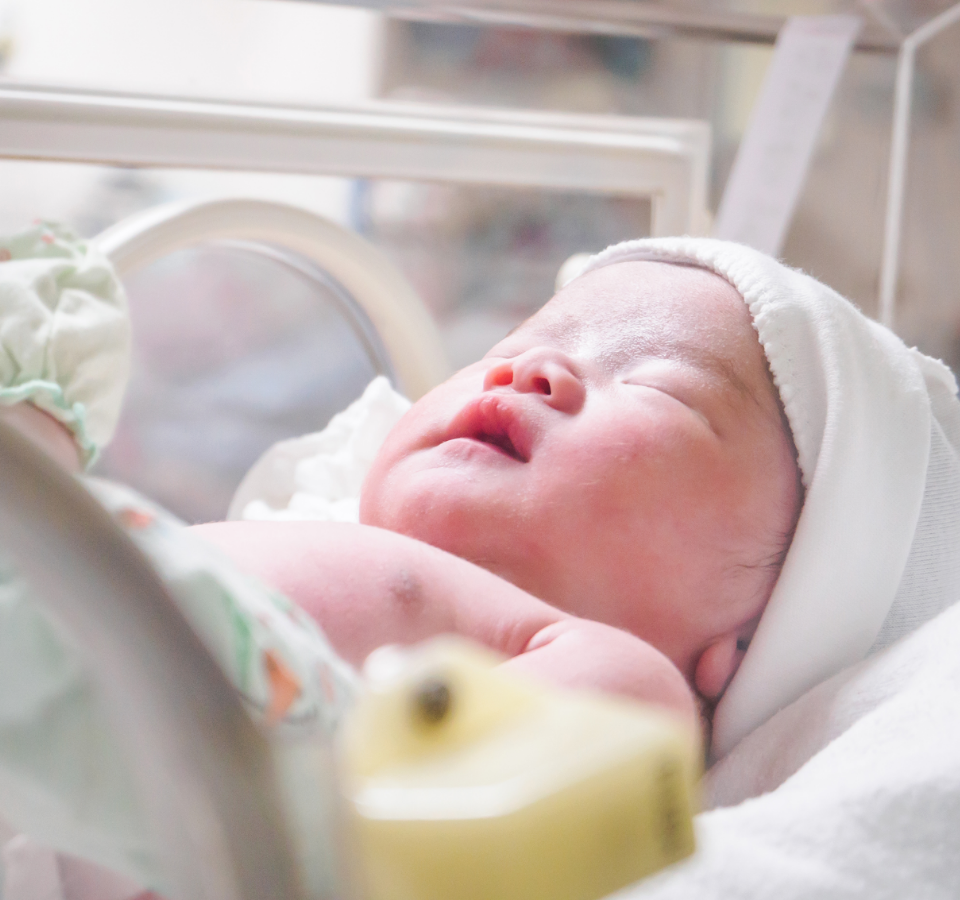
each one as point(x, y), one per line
point(466, 782)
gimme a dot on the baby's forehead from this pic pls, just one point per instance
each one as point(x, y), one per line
point(630, 313)
point(648, 307)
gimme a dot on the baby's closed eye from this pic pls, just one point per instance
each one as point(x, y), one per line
point(690, 398)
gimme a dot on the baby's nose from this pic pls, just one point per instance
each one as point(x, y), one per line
point(544, 371)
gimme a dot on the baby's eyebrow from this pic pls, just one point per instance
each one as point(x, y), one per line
point(510, 333)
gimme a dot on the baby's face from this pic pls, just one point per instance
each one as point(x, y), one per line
point(620, 455)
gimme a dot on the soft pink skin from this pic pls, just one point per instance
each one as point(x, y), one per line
point(621, 456)
point(650, 478)
point(367, 587)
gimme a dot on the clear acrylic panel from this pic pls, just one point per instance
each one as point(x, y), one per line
point(235, 347)
point(485, 258)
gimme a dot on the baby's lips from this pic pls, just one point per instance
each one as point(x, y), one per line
point(491, 419)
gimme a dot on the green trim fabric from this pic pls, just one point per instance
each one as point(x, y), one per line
point(64, 332)
point(49, 397)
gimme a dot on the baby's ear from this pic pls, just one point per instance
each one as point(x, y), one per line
point(717, 665)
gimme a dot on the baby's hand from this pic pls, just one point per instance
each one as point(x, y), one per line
point(46, 432)
point(579, 653)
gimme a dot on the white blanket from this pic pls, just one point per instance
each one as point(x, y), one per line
point(318, 476)
point(855, 787)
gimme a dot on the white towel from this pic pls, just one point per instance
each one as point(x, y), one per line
point(855, 789)
point(877, 426)
point(318, 476)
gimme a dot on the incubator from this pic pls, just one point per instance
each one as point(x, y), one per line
point(427, 182)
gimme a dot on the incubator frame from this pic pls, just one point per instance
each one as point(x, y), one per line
point(666, 160)
point(641, 18)
point(645, 19)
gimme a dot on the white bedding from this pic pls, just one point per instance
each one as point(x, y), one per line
point(855, 788)
point(318, 476)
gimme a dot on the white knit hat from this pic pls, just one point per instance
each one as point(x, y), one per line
point(877, 430)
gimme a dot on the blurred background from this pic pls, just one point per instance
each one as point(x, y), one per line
point(236, 349)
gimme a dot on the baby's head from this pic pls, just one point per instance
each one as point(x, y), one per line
point(622, 455)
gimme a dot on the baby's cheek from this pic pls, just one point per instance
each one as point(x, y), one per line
point(765, 498)
point(378, 494)
point(374, 491)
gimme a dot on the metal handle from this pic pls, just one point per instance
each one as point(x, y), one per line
point(204, 768)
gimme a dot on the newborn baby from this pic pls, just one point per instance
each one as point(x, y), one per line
point(608, 497)
point(692, 450)
point(620, 458)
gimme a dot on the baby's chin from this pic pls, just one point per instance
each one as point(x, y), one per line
point(411, 495)
point(374, 511)
point(376, 495)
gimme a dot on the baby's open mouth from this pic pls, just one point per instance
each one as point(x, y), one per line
point(492, 422)
point(501, 440)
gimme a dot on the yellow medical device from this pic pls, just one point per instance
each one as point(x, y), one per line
point(466, 782)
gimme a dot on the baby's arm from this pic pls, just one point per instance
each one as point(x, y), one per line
point(368, 587)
